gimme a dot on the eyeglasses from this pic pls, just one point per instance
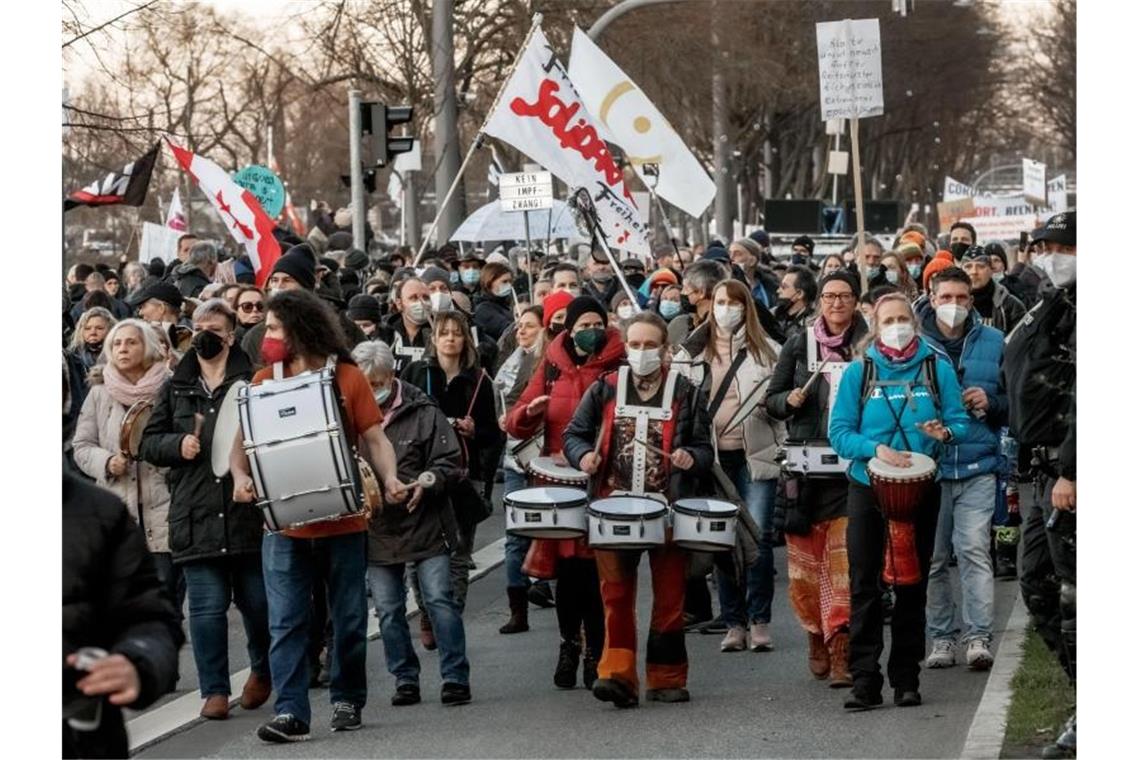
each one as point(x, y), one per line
point(251, 306)
point(841, 297)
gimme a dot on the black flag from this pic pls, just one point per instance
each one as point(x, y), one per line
point(127, 187)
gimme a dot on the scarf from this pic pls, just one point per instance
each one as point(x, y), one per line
point(128, 393)
point(836, 345)
point(984, 300)
point(895, 355)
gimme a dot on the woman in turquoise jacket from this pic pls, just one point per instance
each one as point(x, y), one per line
point(913, 403)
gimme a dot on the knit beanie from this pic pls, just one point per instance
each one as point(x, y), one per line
point(997, 249)
point(556, 301)
point(299, 265)
point(356, 259)
point(908, 250)
point(942, 260)
point(580, 306)
point(435, 274)
point(364, 307)
point(843, 276)
point(340, 241)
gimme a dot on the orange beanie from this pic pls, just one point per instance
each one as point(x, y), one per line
point(942, 260)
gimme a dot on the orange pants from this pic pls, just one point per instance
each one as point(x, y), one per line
point(666, 663)
point(818, 583)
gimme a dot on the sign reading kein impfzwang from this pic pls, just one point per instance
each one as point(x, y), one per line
point(526, 191)
point(850, 68)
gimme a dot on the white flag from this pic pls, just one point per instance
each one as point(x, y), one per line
point(175, 217)
point(542, 115)
point(632, 122)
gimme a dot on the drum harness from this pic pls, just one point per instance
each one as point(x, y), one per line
point(642, 416)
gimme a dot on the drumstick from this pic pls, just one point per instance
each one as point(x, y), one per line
point(198, 420)
point(651, 447)
point(814, 376)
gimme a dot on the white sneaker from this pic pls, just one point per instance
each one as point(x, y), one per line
point(942, 655)
point(978, 655)
point(736, 640)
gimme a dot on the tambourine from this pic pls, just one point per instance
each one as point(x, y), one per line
point(370, 488)
point(131, 430)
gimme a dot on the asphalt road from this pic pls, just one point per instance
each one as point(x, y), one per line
point(744, 704)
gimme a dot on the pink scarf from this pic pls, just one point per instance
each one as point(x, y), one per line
point(128, 393)
point(894, 354)
point(836, 345)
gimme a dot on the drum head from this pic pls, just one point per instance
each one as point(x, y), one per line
point(225, 430)
point(546, 498)
point(705, 507)
point(920, 466)
point(627, 507)
point(134, 422)
point(547, 467)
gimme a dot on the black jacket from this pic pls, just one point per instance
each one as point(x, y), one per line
point(998, 307)
point(204, 521)
point(691, 432)
point(455, 398)
point(493, 315)
point(789, 325)
point(191, 281)
point(423, 440)
point(112, 599)
point(393, 325)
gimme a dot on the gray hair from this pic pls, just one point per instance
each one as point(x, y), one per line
point(703, 275)
point(201, 255)
point(374, 356)
point(84, 318)
point(152, 348)
point(215, 307)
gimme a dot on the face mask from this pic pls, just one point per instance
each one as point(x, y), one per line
point(1061, 268)
point(556, 328)
point(892, 277)
point(897, 336)
point(951, 314)
point(417, 311)
point(872, 272)
point(998, 276)
point(504, 290)
point(440, 301)
point(669, 309)
point(625, 311)
point(915, 270)
point(728, 317)
point(574, 291)
point(590, 340)
point(207, 344)
point(958, 249)
point(95, 347)
point(469, 276)
point(644, 362)
point(382, 395)
point(799, 260)
point(274, 350)
point(454, 278)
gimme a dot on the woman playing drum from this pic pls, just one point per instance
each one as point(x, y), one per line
point(905, 401)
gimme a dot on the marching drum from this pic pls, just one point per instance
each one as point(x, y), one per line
point(899, 490)
point(303, 469)
point(704, 525)
point(544, 471)
point(813, 459)
point(131, 429)
point(226, 428)
point(546, 512)
point(627, 522)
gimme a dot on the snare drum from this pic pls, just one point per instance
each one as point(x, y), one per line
point(544, 471)
point(813, 459)
point(627, 522)
point(546, 512)
point(704, 525)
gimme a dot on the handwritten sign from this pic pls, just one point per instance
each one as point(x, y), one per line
point(265, 186)
point(526, 191)
point(1033, 181)
point(850, 68)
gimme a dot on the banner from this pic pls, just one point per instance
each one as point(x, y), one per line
point(953, 190)
point(850, 68)
point(175, 216)
point(632, 122)
point(1058, 193)
point(158, 241)
point(1033, 181)
point(540, 113)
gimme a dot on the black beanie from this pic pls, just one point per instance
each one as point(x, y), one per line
point(583, 305)
point(356, 259)
point(340, 241)
point(997, 249)
point(156, 267)
point(806, 242)
point(299, 265)
point(843, 276)
point(364, 306)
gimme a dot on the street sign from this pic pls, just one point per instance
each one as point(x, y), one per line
point(526, 191)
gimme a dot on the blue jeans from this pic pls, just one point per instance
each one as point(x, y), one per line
point(759, 498)
point(964, 528)
point(389, 595)
point(290, 566)
point(210, 584)
point(517, 546)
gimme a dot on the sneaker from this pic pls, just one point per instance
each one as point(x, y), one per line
point(907, 698)
point(345, 717)
point(978, 655)
point(455, 694)
point(406, 694)
point(861, 699)
point(942, 655)
point(283, 729)
point(760, 638)
point(736, 640)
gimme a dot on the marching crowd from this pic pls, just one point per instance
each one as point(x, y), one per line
point(698, 375)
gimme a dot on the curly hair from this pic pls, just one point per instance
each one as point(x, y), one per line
point(311, 326)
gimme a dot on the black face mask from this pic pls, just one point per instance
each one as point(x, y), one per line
point(95, 347)
point(959, 249)
point(556, 328)
point(207, 344)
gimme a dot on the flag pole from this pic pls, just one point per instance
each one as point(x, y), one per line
point(477, 142)
point(586, 206)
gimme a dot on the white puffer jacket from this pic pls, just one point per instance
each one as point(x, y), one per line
point(96, 441)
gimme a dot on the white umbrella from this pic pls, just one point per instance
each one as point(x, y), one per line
point(492, 223)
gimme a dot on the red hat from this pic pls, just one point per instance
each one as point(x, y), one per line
point(936, 265)
point(662, 276)
point(553, 303)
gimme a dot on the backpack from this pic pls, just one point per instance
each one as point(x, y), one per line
point(928, 371)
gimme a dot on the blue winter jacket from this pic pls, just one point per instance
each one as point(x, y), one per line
point(856, 430)
point(979, 451)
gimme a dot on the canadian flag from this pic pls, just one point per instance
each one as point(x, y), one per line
point(243, 216)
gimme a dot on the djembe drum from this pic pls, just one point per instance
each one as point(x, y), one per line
point(899, 491)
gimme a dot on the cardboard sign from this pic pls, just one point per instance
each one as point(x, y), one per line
point(158, 241)
point(266, 186)
point(1033, 180)
point(951, 211)
point(526, 191)
point(850, 69)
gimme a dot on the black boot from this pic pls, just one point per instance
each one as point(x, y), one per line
point(566, 673)
point(518, 622)
point(540, 594)
point(589, 669)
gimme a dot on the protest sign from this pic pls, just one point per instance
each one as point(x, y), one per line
point(850, 68)
point(952, 190)
point(266, 186)
point(1058, 193)
point(1033, 181)
point(158, 242)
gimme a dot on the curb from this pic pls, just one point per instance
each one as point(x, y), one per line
point(987, 730)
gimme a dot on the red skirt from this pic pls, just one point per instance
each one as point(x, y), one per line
point(542, 557)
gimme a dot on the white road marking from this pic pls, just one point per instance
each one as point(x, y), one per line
point(987, 731)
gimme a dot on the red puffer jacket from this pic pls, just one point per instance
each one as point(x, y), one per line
point(567, 383)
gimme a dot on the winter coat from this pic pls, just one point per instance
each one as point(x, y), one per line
point(493, 315)
point(763, 435)
point(789, 324)
point(809, 422)
point(424, 441)
point(1025, 281)
point(191, 281)
point(979, 451)
point(142, 487)
point(392, 331)
point(455, 398)
point(858, 427)
point(691, 431)
point(565, 382)
point(204, 521)
point(112, 599)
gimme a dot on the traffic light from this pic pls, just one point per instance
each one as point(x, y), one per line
point(377, 119)
point(369, 180)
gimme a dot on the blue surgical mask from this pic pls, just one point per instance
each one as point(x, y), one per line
point(669, 309)
point(915, 270)
point(454, 277)
point(469, 276)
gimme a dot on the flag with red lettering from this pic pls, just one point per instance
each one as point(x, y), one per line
point(175, 217)
point(239, 210)
point(541, 114)
point(125, 187)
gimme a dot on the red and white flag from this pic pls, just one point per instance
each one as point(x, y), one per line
point(175, 217)
point(541, 114)
point(243, 216)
